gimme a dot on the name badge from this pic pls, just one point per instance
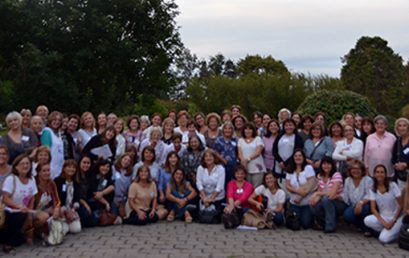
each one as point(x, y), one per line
point(25, 138)
point(233, 143)
point(152, 194)
point(64, 187)
point(285, 140)
point(406, 151)
point(104, 183)
point(240, 190)
point(117, 175)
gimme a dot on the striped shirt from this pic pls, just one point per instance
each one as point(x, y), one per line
point(326, 186)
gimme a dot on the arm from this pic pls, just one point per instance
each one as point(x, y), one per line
point(257, 152)
point(336, 155)
point(275, 150)
point(252, 200)
point(46, 138)
point(329, 146)
point(246, 195)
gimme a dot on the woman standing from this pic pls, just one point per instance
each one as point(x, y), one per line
point(213, 131)
point(51, 138)
point(107, 138)
point(400, 153)
point(133, 134)
point(336, 131)
point(192, 158)
point(238, 122)
point(101, 122)
point(386, 206)
point(226, 147)
point(200, 120)
point(318, 146)
point(155, 141)
point(148, 159)
point(83, 178)
point(120, 139)
point(26, 115)
point(273, 130)
point(250, 148)
point(167, 128)
point(305, 127)
point(87, 130)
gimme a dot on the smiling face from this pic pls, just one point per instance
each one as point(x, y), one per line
point(56, 123)
point(102, 120)
point(119, 126)
point(178, 176)
point(194, 143)
point(200, 121)
point(228, 131)
point(298, 158)
point(213, 123)
point(402, 128)
point(4, 156)
point(156, 120)
point(273, 128)
point(349, 119)
point(380, 126)
point(70, 170)
point(143, 173)
point(380, 174)
point(270, 181)
point(289, 128)
point(336, 130)
point(88, 121)
point(44, 174)
point(209, 159)
point(134, 124)
point(173, 159)
point(104, 169)
point(240, 175)
point(326, 168)
point(23, 167)
point(109, 134)
point(85, 164)
point(72, 124)
point(37, 124)
point(126, 161)
point(14, 123)
point(43, 157)
point(349, 132)
point(355, 172)
point(248, 133)
point(148, 155)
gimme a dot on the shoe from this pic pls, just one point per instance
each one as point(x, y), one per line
point(367, 234)
point(9, 249)
point(171, 217)
point(188, 218)
point(118, 221)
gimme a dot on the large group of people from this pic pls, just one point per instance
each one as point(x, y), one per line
point(60, 173)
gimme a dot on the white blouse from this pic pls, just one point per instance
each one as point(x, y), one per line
point(211, 182)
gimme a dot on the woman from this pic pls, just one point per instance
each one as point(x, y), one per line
point(133, 134)
point(145, 123)
point(192, 158)
point(263, 130)
point(46, 202)
point(235, 111)
point(51, 138)
point(213, 129)
point(148, 159)
point(275, 197)
point(142, 199)
point(284, 146)
point(83, 178)
point(348, 119)
point(283, 115)
point(176, 145)
point(386, 206)
point(336, 131)
point(347, 149)
point(273, 129)
point(5, 168)
point(42, 111)
point(155, 141)
point(180, 193)
point(327, 201)
point(101, 122)
point(368, 128)
point(102, 146)
point(250, 149)
point(210, 183)
point(300, 183)
point(19, 190)
point(69, 195)
point(87, 130)
point(171, 164)
point(226, 147)
point(400, 153)
point(42, 156)
point(226, 116)
point(318, 146)
point(379, 147)
point(238, 192)
point(239, 121)
point(191, 128)
point(26, 115)
point(37, 126)
point(70, 136)
point(183, 118)
point(200, 120)
point(18, 140)
point(120, 139)
point(356, 195)
point(257, 119)
point(297, 119)
point(122, 177)
point(167, 127)
point(305, 127)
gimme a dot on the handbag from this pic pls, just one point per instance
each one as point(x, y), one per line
point(403, 238)
point(106, 218)
point(56, 233)
point(233, 219)
point(208, 215)
point(292, 220)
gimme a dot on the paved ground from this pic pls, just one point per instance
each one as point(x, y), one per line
point(180, 240)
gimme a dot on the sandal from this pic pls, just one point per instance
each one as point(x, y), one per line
point(188, 218)
point(171, 216)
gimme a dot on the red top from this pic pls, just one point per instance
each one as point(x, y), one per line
point(242, 194)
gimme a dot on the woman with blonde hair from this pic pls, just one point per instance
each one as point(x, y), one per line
point(400, 153)
point(87, 128)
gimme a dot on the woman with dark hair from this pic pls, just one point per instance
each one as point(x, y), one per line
point(336, 132)
point(318, 146)
point(300, 183)
point(83, 178)
point(263, 130)
point(250, 149)
point(122, 177)
point(104, 141)
point(213, 129)
point(176, 145)
point(297, 119)
point(238, 122)
point(101, 122)
point(356, 195)
point(133, 134)
point(120, 139)
point(171, 164)
point(191, 158)
point(284, 146)
point(19, 190)
point(70, 138)
point(179, 193)
point(273, 130)
point(257, 117)
point(327, 201)
point(367, 128)
point(386, 206)
point(305, 127)
point(182, 119)
point(148, 158)
point(200, 121)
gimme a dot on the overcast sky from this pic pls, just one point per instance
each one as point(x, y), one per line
point(310, 36)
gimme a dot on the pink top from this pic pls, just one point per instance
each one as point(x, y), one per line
point(242, 194)
point(327, 186)
point(379, 151)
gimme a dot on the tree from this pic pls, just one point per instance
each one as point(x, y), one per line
point(262, 65)
point(372, 69)
point(335, 104)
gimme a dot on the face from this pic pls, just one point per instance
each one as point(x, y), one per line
point(37, 125)
point(270, 181)
point(26, 118)
point(200, 120)
point(194, 143)
point(13, 123)
point(110, 134)
point(380, 126)
point(213, 124)
point(43, 157)
point(182, 121)
point(70, 171)
point(45, 173)
point(126, 161)
point(284, 115)
point(228, 131)
point(23, 167)
point(298, 158)
point(248, 133)
point(380, 174)
point(266, 120)
point(226, 117)
point(72, 125)
point(85, 164)
point(111, 119)
point(4, 157)
point(168, 127)
point(320, 119)
point(172, 115)
point(316, 132)
point(102, 120)
point(367, 127)
point(358, 122)
point(148, 155)
point(88, 121)
point(238, 123)
point(133, 124)
point(402, 128)
point(257, 120)
point(273, 128)
point(296, 118)
point(156, 120)
point(336, 130)
point(119, 126)
point(326, 167)
point(208, 158)
point(173, 160)
point(56, 122)
point(307, 124)
point(349, 132)
point(64, 123)
point(144, 124)
point(235, 112)
point(43, 113)
point(289, 128)
point(355, 172)
point(349, 120)
point(176, 142)
point(155, 136)
point(191, 128)
point(178, 176)
point(240, 175)
point(144, 174)
point(104, 169)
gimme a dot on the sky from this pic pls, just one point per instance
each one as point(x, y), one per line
point(309, 36)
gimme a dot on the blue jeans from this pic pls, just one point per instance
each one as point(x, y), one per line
point(327, 210)
point(305, 214)
point(357, 220)
point(278, 219)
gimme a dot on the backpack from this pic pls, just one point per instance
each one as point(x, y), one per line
point(403, 238)
point(208, 215)
point(232, 220)
point(56, 234)
point(292, 220)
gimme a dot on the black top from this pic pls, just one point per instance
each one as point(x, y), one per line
point(298, 144)
point(96, 142)
point(62, 190)
point(96, 183)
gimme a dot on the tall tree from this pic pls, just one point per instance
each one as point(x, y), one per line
point(372, 69)
point(262, 65)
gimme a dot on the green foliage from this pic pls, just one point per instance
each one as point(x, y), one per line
point(405, 111)
point(262, 65)
point(372, 69)
point(335, 104)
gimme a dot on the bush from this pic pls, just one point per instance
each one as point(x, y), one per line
point(405, 111)
point(336, 103)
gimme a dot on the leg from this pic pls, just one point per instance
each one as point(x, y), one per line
point(75, 226)
point(14, 222)
point(372, 222)
point(279, 219)
point(389, 235)
point(306, 216)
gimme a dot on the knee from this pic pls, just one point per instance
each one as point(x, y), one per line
point(385, 237)
point(41, 217)
point(75, 227)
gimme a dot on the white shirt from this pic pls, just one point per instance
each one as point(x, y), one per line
point(344, 150)
point(159, 151)
point(171, 147)
point(247, 149)
point(120, 147)
point(85, 136)
point(213, 182)
point(22, 192)
point(295, 182)
point(154, 170)
point(273, 200)
point(386, 202)
point(352, 195)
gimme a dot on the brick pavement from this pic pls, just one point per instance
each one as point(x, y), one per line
point(180, 240)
